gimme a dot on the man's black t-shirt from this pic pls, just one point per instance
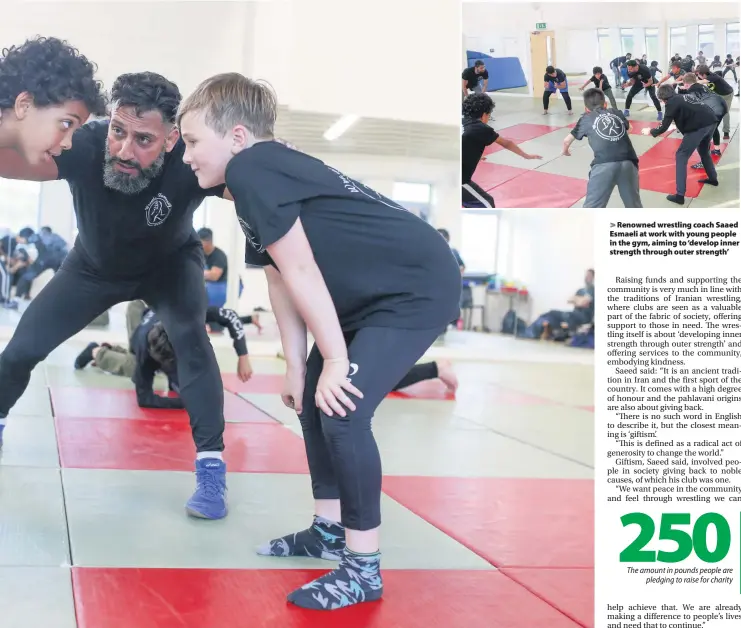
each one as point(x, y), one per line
point(607, 133)
point(708, 98)
point(642, 73)
point(687, 113)
point(217, 258)
point(717, 84)
point(602, 80)
point(383, 266)
point(125, 235)
point(472, 79)
point(476, 137)
point(558, 79)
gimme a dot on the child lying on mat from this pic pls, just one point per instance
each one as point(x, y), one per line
point(150, 351)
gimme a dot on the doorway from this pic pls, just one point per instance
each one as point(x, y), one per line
point(542, 54)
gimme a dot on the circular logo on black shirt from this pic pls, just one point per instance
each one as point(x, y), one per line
point(609, 127)
point(158, 210)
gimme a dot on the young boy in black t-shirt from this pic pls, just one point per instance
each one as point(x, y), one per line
point(477, 135)
point(555, 79)
point(640, 77)
point(600, 82)
point(375, 284)
point(615, 160)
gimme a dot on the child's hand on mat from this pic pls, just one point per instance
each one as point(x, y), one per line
point(534, 157)
point(244, 368)
point(645, 131)
point(293, 389)
point(566, 152)
point(331, 389)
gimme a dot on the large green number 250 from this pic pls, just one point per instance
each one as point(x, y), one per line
point(685, 541)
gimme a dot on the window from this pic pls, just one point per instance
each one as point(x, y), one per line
point(416, 197)
point(479, 240)
point(706, 40)
point(652, 46)
point(732, 41)
point(678, 41)
point(626, 41)
point(603, 46)
point(19, 204)
point(200, 216)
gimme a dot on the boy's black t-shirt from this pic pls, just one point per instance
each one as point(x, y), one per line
point(475, 138)
point(383, 266)
point(558, 79)
point(607, 133)
point(217, 258)
point(642, 73)
point(719, 85)
point(601, 80)
point(126, 235)
point(472, 79)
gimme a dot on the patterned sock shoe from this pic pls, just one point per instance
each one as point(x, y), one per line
point(357, 579)
point(324, 539)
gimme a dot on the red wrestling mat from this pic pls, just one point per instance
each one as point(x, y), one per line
point(657, 170)
point(569, 590)
point(429, 389)
point(538, 189)
point(111, 403)
point(256, 598)
point(489, 175)
point(524, 132)
point(511, 522)
point(167, 445)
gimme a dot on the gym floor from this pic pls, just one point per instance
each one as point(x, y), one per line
point(558, 181)
point(488, 498)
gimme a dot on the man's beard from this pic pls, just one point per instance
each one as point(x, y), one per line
point(130, 183)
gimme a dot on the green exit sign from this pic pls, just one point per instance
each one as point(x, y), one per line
point(540, 26)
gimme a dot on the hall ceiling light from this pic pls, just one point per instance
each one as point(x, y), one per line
point(339, 127)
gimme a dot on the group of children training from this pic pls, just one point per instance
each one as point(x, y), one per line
point(696, 101)
point(315, 231)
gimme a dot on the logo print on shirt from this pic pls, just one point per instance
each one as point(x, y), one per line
point(356, 187)
point(609, 127)
point(158, 210)
point(250, 235)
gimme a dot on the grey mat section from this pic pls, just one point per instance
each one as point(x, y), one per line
point(36, 597)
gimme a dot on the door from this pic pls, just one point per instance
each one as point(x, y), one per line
point(542, 54)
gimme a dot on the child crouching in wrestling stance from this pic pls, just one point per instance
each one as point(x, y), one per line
point(150, 351)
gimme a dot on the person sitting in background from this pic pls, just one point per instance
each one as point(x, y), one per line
point(477, 135)
point(560, 325)
point(712, 100)
point(216, 267)
point(52, 250)
point(696, 122)
point(150, 351)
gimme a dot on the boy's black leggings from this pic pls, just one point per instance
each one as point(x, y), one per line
point(564, 95)
point(343, 456)
point(637, 87)
point(78, 293)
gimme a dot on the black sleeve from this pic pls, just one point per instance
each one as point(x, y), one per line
point(485, 74)
point(669, 111)
point(560, 77)
point(143, 379)
point(88, 144)
point(218, 259)
point(229, 319)
point(579, 130)
point(489, 135)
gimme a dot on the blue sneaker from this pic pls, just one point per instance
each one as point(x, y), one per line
point(660, 117)
point(626, 113)
point(209, 500)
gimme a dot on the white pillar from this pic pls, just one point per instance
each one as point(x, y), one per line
point(56, 209)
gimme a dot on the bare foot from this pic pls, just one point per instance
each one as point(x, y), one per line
point(446, 373)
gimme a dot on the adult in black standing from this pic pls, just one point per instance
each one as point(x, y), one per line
point(696, 122)
point(134, 200)
point(639, 77)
